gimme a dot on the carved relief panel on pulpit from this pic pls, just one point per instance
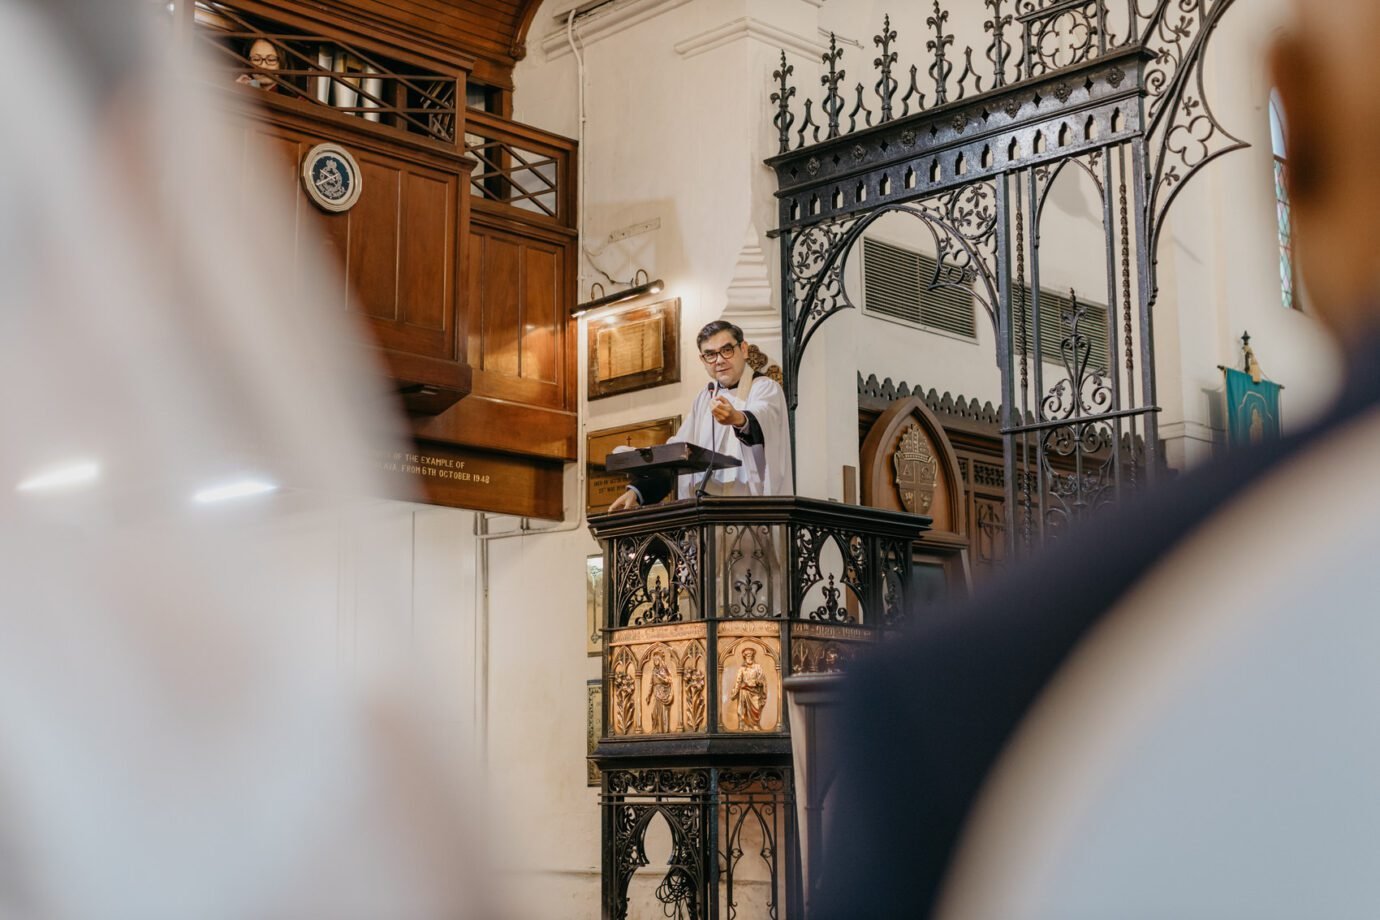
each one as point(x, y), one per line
point(657, 681)
point(750, 678)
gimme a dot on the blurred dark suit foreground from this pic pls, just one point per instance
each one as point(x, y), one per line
point(1172, 714)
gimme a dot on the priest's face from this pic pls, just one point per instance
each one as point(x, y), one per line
point(724, 359)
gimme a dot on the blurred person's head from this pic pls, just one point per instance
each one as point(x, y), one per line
point(171, 743)
point(108, 40)
point(1328, 76)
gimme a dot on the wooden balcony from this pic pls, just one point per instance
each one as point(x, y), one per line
point(460, 254)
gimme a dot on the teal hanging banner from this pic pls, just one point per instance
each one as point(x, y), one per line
point(1252, 408)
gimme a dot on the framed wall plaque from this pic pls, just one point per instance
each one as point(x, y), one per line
point(594, 726)
point(460, 477)
point(602, 488)
point(594, 604)
point(634, 349)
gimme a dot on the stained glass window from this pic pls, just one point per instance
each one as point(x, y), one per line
point(1286, 233)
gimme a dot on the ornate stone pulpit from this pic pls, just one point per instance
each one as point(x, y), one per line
point(709, 605)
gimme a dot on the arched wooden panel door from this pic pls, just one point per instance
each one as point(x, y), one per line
point(908, 464)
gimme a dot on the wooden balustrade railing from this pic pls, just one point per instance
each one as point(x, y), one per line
point(327, 71)
point(521, 166)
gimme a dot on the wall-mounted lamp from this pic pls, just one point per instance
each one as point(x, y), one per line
point(608, 300)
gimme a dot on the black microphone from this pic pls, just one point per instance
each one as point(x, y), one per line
point(700, 492)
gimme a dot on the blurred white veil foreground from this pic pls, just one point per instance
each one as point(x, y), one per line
point(170, 744)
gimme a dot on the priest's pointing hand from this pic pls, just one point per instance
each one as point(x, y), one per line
point(724, 413)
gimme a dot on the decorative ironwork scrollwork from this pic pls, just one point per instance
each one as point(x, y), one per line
point(682, 889)
point(654, 577)
point(1078, 399)
point(940, 67)
point(886, 84)
point(830, 611)
point(754, 807)
point(808, 546)
point(833, 101)
point(1182, 132)
point(747, 588)
point(818, 280)
point(999, 50)
point(1052, 36)
point(751, 571)
point(1066, 75)
point(658, 782)
point(782, 97)
point(962, 223)
point(1063, 37)
point(894, 565)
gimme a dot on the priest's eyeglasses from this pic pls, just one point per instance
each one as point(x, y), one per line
point(709, 357)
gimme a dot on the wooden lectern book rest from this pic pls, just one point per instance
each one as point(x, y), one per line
point(677, 458)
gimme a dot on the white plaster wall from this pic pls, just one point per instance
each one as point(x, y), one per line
point(536, 714)
point(390, 588)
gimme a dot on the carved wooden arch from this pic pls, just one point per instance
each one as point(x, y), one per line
point(879, 475)
point(526, 12)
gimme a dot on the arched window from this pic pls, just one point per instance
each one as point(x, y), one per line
point(1286, 234)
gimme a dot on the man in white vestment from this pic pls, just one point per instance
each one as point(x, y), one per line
point(738, 414)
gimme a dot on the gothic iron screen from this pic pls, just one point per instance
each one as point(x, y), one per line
point(970, 148)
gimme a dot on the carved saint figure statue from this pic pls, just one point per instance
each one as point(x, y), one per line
point(659, 695)
point(750, 692)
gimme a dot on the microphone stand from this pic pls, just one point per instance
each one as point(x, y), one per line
point(701, 492)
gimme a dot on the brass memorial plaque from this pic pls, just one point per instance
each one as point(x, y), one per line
point(594, 726)
point(443, 474)
point(602, 488)
point(594, 605)
point(634, 349)
point(631, 348)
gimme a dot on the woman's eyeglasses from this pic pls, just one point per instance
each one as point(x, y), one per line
point(709, 357)
point(264, 60)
